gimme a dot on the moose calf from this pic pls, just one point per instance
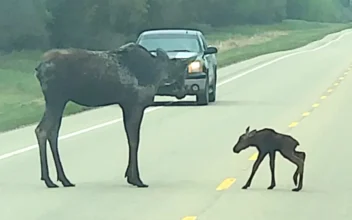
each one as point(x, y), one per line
point(268, 141)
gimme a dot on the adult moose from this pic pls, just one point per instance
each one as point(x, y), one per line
point(268, 141)
point(128, 76)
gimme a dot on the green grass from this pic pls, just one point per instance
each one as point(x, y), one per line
point(21, 101)
point(300, 33)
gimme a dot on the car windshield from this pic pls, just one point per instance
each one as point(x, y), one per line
point(171, 42)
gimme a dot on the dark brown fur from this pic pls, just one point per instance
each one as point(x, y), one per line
point(128, 76)
point(268, 141)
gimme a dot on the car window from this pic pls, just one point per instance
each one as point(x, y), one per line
point(204, 42)
point(171, 42)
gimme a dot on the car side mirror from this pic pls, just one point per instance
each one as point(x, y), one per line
point(210, 50)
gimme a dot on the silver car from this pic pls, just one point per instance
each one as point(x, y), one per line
point(183, 43)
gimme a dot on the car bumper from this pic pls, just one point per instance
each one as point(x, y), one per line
point(194, 84)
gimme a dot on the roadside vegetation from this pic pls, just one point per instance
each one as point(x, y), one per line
point(241, 29)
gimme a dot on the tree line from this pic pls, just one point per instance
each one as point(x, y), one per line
point(102, 24)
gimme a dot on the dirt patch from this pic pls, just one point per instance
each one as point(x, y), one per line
point(38, 101)
point(241, 41)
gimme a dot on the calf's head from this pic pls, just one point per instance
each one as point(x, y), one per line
point(245, 140)
point(172, 70)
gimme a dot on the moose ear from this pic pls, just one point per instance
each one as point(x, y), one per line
point(247, 130)
point(161, 54)
point(189, 59)
point(252, 133)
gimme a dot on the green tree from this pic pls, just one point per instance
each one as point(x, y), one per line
point(22, 24)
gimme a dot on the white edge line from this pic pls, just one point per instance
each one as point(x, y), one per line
point(92, 128)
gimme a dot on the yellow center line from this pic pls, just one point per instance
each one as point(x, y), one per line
point(226, 184)
point(341, 78)
point(306, 114)
point(254, 156)
point(335, 84)
point(315, 105)
point(293, 124)
point(190, 218)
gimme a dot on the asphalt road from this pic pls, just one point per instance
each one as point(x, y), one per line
point(186, 151)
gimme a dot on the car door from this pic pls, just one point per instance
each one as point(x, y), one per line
point(208, 59)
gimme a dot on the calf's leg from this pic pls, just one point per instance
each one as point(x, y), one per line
point(132, 118)
point(301, 155)
point(254, 169)
point(272, 157)
point(291, 156)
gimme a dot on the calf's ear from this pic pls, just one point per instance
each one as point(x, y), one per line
point(247, 130)
point(252, 133)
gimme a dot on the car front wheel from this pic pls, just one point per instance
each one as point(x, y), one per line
point(203, 98)
point(212, 95)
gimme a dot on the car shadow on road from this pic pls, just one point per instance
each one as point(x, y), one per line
point(245, 103)
point(175, 104)
point(217, 103)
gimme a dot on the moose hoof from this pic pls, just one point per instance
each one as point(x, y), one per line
point(137, 182)
point(50, 184)
point(271, 187)
point(67, 184)
point(245, 187)
point(296, 189)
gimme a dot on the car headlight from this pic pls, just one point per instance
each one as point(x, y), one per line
point(195, 66)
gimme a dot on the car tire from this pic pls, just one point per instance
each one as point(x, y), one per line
point(203, 98)
point(212, 95)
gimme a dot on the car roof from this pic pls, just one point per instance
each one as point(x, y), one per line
point(171, 31)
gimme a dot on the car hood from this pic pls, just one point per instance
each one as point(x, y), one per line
point(180, 55)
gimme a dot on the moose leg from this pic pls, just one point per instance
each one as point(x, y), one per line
point(42, 138)
point(132, 118)
point(42, 132)
point(272, 157)
point(300, 166)
point(53, 141)
point(301, 155)
point(254, 169)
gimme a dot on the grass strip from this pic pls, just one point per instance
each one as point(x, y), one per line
point(21, 101)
